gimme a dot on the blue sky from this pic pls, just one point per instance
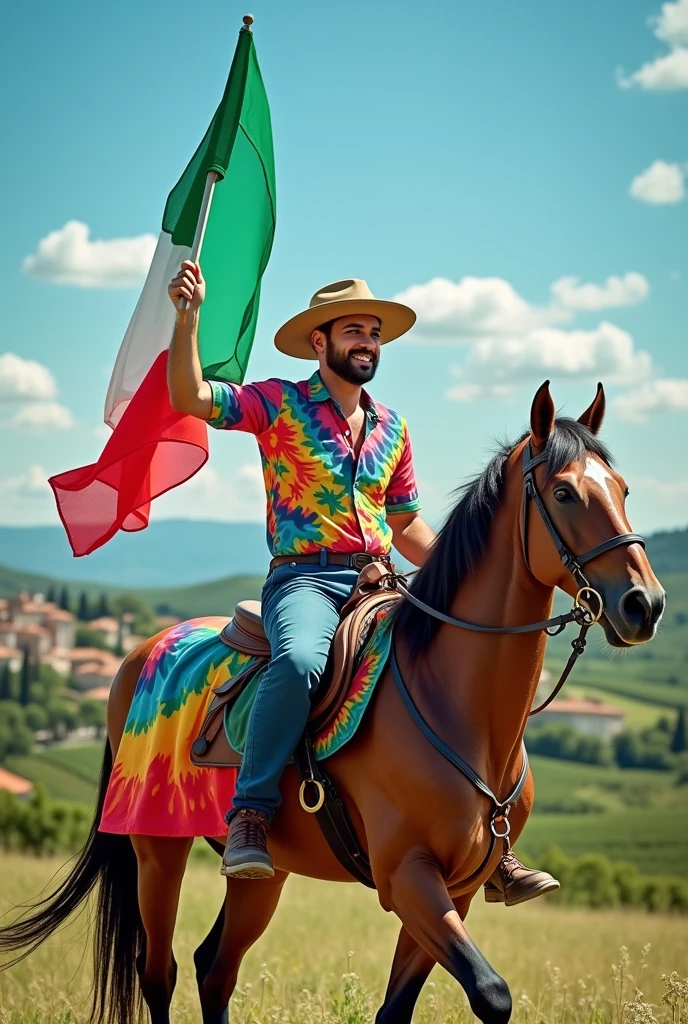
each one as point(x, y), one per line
point(496, 150)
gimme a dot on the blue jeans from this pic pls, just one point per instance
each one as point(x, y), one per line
point(301, 606)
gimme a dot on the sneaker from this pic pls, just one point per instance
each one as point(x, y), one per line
point(246, 854)
point(512, 882)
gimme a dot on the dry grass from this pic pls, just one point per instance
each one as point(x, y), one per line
point(326, 957)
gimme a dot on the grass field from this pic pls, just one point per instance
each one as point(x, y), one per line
point(558, 962)
point(60, 781)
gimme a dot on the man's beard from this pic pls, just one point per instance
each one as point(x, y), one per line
point(348, 368)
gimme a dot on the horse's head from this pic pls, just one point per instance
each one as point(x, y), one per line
point(584, 499)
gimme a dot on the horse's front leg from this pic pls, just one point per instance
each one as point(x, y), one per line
point(410, 969)
point(417, 892)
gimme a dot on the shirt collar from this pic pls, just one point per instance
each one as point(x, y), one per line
point(317, 392)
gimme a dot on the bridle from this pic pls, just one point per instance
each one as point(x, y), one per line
point(572, 562)
point(581, 613)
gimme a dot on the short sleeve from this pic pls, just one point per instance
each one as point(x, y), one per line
point(252, 408)
point(402, 492)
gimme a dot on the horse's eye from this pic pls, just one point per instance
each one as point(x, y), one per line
point(562, 494)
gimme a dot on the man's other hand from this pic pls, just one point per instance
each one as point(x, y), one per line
point(189, 284)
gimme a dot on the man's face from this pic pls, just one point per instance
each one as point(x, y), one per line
point(353, 349)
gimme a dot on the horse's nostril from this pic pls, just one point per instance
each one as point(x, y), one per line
point(636, 607)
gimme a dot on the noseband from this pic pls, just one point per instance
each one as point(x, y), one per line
point(580, 613)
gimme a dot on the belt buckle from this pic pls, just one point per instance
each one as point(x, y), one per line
point(360, 560)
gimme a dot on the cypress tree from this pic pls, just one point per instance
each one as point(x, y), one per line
point(104, 608)
point(50, 596)
point(679, 741)
point(6, 688)
point(64, 600)
point(25, 680)
point(84, 613)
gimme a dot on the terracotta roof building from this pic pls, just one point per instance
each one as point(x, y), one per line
point(14, 784)
point(589, 717)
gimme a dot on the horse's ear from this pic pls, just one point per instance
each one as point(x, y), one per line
point(542, 416)
point(594, 414)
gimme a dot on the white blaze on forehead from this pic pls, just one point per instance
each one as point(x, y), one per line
point(599, 473)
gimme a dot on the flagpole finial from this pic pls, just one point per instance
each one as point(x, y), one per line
point(248, 21)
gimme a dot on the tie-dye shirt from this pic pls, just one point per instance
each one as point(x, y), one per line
point(319, 495)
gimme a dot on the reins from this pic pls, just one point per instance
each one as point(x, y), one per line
point(580, 613)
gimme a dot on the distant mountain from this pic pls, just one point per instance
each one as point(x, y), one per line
point(178, 553)
point(171, 552)
point(216, 597)
point(668, 551)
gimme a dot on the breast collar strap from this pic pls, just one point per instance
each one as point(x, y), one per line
point(572, 562)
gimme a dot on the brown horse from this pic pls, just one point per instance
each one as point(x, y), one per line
point(425, 826)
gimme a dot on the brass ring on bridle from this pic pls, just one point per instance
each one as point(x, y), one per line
point(302, 795)
point(579, 603)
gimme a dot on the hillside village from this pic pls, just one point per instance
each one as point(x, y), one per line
point(32, 626)
point(39, 629)
point(57, 666)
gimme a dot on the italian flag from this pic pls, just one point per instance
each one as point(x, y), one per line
point(153, 448)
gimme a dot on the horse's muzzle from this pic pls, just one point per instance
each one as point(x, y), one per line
point(636, 616)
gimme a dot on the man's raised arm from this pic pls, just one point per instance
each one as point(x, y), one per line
point(189, 393)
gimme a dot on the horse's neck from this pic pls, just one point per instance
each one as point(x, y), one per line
point(480, 687)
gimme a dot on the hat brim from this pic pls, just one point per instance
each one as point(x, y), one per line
point(294, 337)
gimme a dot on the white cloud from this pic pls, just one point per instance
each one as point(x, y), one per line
point(449, 311)
point(604, 352)
point(27, 500)
point(670, 71)
point(237, 496)
point(41, 417)
point(660, 183)
point(462, 311)
point(664, 74)
point(28, 390)
point(68, 256)
point(672, 23)
point(510, 340)
point(652, 397)
point(655, 504)
point(24, 378)
point(471, 392)
point(33, 484)
point(667, 490)
point(628, 290)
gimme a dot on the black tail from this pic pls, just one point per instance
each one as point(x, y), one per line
point(107, 862)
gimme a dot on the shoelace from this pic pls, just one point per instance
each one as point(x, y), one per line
point(510, 860)
point(248, 830)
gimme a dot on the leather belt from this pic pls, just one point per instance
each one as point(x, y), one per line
point(358, 560)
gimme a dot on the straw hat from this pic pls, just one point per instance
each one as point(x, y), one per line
point(342, 298)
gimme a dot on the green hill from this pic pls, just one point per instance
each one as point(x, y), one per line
point(217, 597)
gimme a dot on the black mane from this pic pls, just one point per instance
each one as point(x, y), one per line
point(461, 541)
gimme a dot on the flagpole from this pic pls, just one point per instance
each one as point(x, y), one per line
point(210, 182)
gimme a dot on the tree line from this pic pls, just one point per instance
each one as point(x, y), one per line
point(662, 746)
point(34, 700)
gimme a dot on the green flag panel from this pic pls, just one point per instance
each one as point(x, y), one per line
point(241, 225)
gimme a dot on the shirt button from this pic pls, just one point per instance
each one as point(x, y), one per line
point(347, 433)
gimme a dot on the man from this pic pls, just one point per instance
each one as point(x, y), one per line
point(340, 490)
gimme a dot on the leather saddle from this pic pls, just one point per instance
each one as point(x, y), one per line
point(244, 632)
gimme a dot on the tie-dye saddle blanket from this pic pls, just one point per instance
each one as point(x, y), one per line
point(155, 789)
